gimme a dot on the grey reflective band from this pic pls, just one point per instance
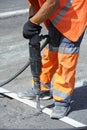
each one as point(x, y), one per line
point(62, 12)
point(45, 85)
point(60, 94)
point(66, 50)
point(51, 48)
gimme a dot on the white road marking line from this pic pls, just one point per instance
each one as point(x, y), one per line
point(13, 13)
point(45, 110)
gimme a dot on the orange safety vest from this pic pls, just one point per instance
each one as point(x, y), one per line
point(70, 18)
point(35, 4)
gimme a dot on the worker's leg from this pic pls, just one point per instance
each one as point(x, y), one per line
point(65, 76)
point(49, 66)
point(50, 58)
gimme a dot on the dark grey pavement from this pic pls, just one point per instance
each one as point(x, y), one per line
point(13, 56)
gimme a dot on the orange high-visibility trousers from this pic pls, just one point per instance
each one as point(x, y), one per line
point(61, 61)
point(63, 66)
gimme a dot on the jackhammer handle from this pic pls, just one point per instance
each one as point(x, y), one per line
point(46, 42)
point(42, 37)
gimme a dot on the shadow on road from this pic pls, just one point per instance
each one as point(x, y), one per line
point(80, 98)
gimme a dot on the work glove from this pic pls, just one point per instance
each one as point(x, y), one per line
point(30, 29)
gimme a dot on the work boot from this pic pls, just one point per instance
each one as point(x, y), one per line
point(30, 95)
point(44, 95)
point(60, 111)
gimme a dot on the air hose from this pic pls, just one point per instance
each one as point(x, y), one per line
point(28, 63)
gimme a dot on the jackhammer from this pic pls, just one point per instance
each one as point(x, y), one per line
point(35, 64)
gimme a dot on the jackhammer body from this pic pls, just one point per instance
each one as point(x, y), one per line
point(35, 64)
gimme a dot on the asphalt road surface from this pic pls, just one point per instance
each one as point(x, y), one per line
point(12, 5)
point(13, 56)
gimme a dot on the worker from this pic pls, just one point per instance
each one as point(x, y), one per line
point(66, 22)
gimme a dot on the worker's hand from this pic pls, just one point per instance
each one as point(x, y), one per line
point(30, 29)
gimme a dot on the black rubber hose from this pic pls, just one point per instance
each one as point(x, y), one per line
point(27, 64)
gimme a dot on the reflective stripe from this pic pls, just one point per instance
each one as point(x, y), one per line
point(62, 12)
point(51, 48)
point(45, 85)
point(60, 94)
point(65, 50)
